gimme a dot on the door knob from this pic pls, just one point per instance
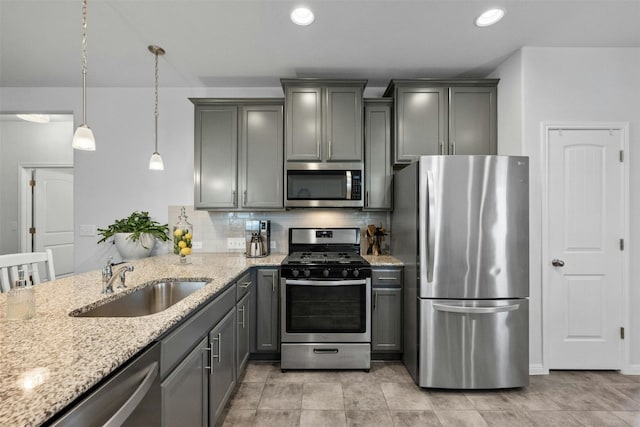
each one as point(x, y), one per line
point(557, 263)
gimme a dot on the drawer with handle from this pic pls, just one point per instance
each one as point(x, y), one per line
point(387, 277)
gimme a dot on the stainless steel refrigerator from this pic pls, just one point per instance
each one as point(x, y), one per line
point(461, 226)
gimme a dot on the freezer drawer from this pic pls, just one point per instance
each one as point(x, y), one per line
point(474, 344)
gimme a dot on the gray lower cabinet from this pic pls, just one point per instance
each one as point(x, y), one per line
point(184, 392)
point(386, 312)
point(222, 377)
point(267, 304)
point(378, 169)
point(243, 339)
point(238, 154)
point(435, 116)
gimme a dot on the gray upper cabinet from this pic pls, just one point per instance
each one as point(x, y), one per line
point(421, 122)
point(323, 120)
point(216, 156)
point(377, 148)
point(262, 158)
point(435, 116)
point(472, 122)
point(239, 154)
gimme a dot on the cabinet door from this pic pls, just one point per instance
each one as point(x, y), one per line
point(267, 328)
point(261, 153)
point(243, 317)
point(421, 122)
point(343, 124)
point(472, 120)
point(303, 123)
point(216, 156)
point(184, 392)
point(386, 324)
point(378, 172)
point(222, 377)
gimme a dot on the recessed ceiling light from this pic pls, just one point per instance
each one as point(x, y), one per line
point(302, 16)
point(489, 17)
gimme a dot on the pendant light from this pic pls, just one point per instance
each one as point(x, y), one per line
point(83, 137)
point(155, 163)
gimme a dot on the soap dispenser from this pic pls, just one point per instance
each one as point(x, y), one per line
point(21, 300)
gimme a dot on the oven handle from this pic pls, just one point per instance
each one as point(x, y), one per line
point(326, 282)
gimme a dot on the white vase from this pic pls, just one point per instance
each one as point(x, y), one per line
point(130, 250)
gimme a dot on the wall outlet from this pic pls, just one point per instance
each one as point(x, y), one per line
point(196, 245)
point(274, 246)
point(87, 230)
point(235, 244)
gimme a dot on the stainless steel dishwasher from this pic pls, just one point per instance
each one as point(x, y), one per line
point(131, 397)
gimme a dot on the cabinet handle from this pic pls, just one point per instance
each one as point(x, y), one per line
point(209, 348)
point(216, 356)
point(330, 151)
point(387, 278)
point(375, 299)
point(244, 202)
point(235, 197)
point(367, 202)
point(245, 284)
point(453, 147)
point(241, 310)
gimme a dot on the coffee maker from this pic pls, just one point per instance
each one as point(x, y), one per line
point(258, 238)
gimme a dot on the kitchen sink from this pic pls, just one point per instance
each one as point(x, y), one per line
point(150, 299)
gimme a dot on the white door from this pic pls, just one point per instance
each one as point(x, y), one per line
point(53, 216)
point(585, 224)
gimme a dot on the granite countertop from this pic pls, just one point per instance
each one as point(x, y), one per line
point(383, 260)
point(50, 360)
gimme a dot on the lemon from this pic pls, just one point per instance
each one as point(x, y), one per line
point(177, 233)
point(182, 244)
point(188, 236)
point(185, 251)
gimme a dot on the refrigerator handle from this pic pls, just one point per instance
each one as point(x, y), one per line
point(430, 229)
point(475, 310)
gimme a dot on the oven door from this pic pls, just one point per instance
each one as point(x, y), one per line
point(317, 310)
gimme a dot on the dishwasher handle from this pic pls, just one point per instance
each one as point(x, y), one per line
point(136, 397)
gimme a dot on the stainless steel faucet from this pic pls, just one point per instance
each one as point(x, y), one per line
point(108, 277)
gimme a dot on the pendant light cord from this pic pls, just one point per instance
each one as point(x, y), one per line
point(84, 63)
point(156, 113)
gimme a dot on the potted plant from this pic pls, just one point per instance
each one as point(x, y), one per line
point(135, 236)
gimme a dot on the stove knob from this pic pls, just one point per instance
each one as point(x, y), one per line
point(295, 272)
point(356, 272)
point(325, 272)
point(306, 272)
point(344, 273)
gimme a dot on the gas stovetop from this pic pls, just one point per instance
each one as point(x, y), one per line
point(325, 254)
point(313, 258)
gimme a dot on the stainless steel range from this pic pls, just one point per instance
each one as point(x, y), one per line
point(326, 301)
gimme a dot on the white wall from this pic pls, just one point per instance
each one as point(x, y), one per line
point(24, 142)
point(576, 84)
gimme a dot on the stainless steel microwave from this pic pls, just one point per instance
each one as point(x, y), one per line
point(323, 186)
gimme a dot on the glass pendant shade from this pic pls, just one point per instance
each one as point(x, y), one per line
point(155, 163)
point(83, 139)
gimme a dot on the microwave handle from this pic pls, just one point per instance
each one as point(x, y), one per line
point(349, 184)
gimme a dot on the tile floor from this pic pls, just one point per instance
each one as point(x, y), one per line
point(386, 396)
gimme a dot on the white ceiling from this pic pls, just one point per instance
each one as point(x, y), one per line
point(253, 43)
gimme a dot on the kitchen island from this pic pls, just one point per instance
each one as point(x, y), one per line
point(52, 359)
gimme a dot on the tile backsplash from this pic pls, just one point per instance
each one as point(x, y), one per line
point(213, 228)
